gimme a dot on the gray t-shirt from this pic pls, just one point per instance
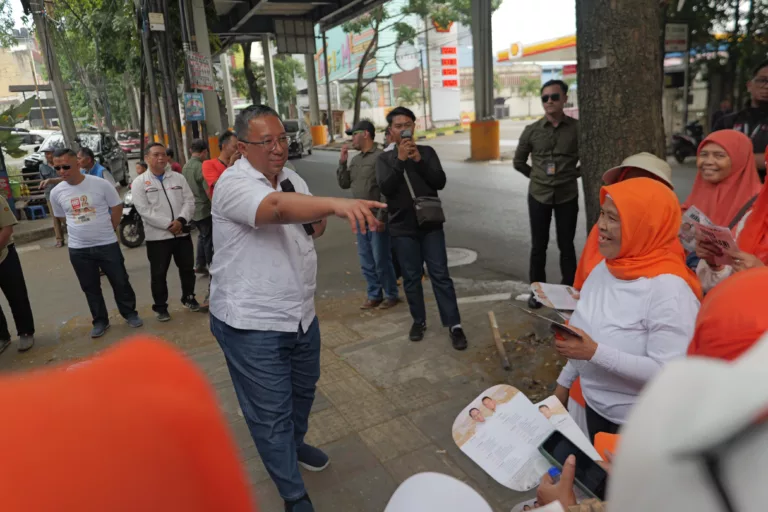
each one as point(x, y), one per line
point(86, 208)
point(47, 172)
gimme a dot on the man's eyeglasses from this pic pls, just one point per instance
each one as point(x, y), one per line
point(555, 97)
point(270, 144)
point(760, 82)
point(60, 167)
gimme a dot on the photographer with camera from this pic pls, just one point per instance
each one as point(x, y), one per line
point(409, 177)
point(166, 205)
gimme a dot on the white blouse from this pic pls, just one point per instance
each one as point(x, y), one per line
point(707, 275)
point(638, 325)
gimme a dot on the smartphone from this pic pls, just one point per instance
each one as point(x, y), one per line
point(590, 477)
point(406, 134)
point(556, 327)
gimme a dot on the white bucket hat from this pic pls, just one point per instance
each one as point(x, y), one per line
point(645, 161)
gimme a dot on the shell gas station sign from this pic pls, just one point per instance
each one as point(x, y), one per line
point(560, 49)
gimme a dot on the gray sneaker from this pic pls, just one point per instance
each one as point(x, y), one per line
point(163, 316)
point(99, 330)
point(135, 321)
point(25, 342)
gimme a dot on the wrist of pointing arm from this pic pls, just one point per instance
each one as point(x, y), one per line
point(293, 208)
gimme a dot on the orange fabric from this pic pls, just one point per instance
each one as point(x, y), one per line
point(575, 393)
point(721, 202)
point(732, 317)
point(590, 258)
point(605, 441)
point(753, 239)
point(136, 428)
point(649, 243)
point(212, 171)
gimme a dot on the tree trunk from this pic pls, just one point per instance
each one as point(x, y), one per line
point(250, 77)
point(620, 88)
point(130, 98)
point(367, 56)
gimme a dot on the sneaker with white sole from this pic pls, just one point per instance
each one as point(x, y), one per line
point(311, 458)
point(135, 321)
point(191, 304)
point(25, 342)
point(99, 330)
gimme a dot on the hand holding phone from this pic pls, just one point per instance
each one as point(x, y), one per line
point(588, 475)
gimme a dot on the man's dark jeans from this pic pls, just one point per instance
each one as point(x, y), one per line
point(108, 258)
point(275, 375)
point(204, 242)
point(15, 290)
point(566, 215)
point(413, 252)
point(159, 253)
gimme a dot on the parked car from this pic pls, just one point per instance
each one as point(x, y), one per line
point(105, 148)
point(301, 138)
point(130, 142)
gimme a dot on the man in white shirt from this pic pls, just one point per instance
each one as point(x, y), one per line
point(166, 205)
point(262, 294)
point(92, 209)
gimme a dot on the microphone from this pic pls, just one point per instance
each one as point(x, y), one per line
point(287, 186)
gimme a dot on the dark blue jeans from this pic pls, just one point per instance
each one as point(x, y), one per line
point(275, 375)
point(373, 249)
point(108, 258)
point(413, 252)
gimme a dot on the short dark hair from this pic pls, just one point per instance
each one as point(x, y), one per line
point(560, 83)
point(198, 146)
point(243, 119)
point(86, 151)
point(543, 406)
point(400, 111)
point(152, 145)
point(760, 67)
point(473, 409)
point(225, 137)
point(486, 397)
point(57, 153)
point(143, 164)
point(169, 152)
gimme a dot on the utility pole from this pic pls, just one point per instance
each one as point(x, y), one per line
point(173, 91)
point(328, 88)
point(37, 92)
point(428, 120)
point(191, 127)
point(423, 87)
point(153, 101)
point(66, 123)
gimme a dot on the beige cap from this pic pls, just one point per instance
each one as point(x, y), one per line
point(645, 161)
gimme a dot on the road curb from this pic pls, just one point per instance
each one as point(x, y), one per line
point(323, 148)
point(33, 235)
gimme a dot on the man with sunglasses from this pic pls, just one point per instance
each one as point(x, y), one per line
point(92, 209)
point(553, 145)
point(753, 120)
point(263, 281)
point(373, 247)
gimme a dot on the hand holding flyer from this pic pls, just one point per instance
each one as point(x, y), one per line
point(692, 218)
point(722, 239)
point(556, 296)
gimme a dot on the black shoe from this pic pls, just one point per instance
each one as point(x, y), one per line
point(417, 331)
point(458, 338)
point(533, 303)
point(163, 316)
point(191, 304)
point(303, 504)
point(311, 458)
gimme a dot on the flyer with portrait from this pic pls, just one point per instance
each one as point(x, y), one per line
point(501, 431)
point(556, 296)
point(692, 218)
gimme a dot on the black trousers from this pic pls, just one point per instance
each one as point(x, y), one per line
point(108, 258)
point(159, 253)
point(566, 215)
point(596, 423)
point(204, 242)
point(15, 291)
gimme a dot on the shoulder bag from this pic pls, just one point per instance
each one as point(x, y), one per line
point(429, 210)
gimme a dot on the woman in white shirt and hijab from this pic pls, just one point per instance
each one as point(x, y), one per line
point(637, 308)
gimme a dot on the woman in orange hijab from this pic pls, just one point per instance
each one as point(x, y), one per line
point(727, 177)
point(637, 307)
point(136, 428)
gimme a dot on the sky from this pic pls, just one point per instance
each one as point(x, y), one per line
point(515, 21)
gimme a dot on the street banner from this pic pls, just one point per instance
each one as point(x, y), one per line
point(194, 106)
point(200, 71)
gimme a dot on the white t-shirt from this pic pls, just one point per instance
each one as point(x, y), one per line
point(86, 208)
point(639, 326)
point(262, 277)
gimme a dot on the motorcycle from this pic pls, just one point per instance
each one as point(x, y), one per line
point(131, 227)
point(685, 144)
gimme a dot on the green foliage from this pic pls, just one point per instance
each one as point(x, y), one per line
point(286, 69)
point(6, 24)
point(10, 117)
point(497, 85)
point(408, 96)
point(348, 97)
point(529, 86)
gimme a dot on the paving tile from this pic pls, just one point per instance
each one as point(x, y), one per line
point(387, 356)
point(368, 411)
point(393, 438)
point(335, 334)
point(365, 491)
point(347, 390)
point(256, 471)
point(327, 357)
point(243, 439)
point(429, 458)
point(349, 456)
point(415, 394)
point(228, 403)
point(434, 370)
point(327, 426)
point(321, 402)
point(267, 497)
point(334, 372)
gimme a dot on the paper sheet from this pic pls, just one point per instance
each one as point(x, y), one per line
point(722, 238)
point(556, 296)
point(691, 218)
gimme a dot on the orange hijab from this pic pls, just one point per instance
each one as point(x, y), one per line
point(136, 428)
point(753, 239)
point(649, 244)
point(723, 201)
point(732, 317)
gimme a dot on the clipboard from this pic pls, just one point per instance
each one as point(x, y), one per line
point(556, 327)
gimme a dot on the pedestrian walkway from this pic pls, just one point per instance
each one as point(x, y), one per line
point(384, 406)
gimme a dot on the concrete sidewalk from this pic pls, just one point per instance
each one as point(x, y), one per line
point(385, 405)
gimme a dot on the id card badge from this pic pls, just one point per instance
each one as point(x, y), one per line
point(551, 168)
